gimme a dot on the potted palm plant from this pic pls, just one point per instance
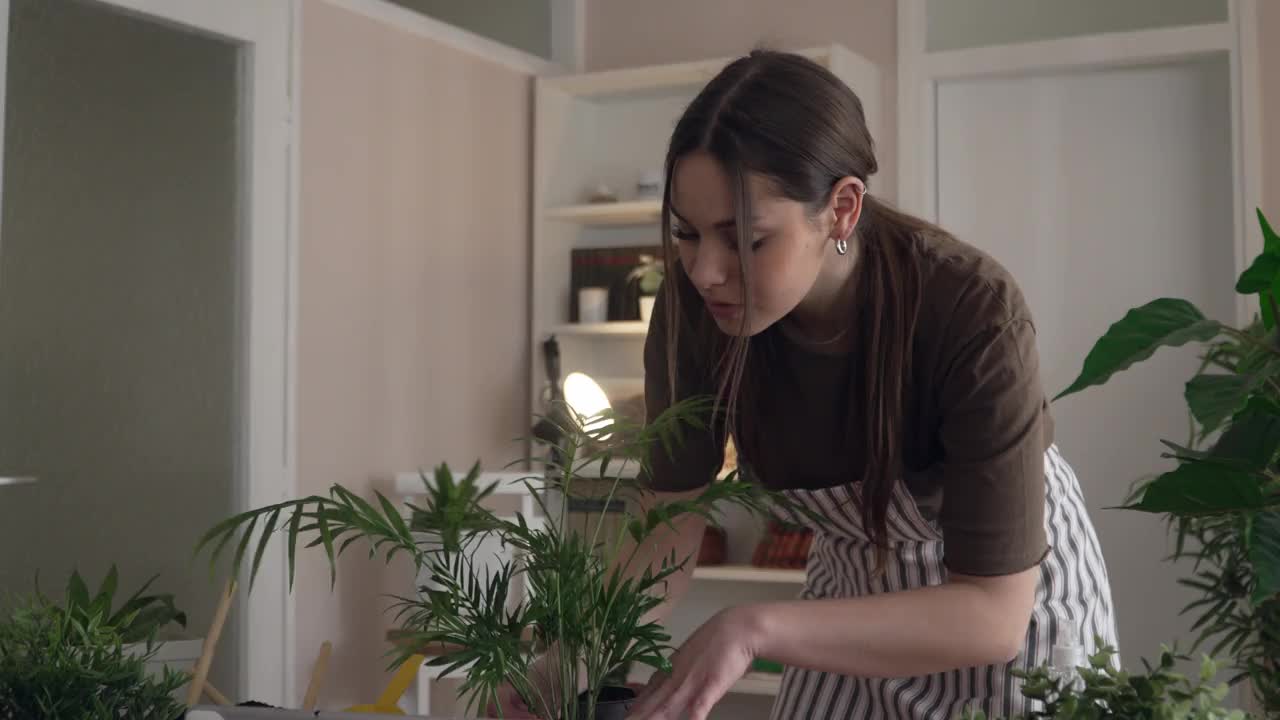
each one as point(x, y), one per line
point(1223, 496)
point(585, 612)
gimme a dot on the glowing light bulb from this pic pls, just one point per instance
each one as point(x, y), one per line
point(587, 399)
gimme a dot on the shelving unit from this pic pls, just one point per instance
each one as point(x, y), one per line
point(610, 128)
point(635, 212)
point(748, 574)
point(619, 328)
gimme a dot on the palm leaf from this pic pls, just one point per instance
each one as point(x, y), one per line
point(244, 545)
point(326, 538)
point(292, 541)
point(262, 545)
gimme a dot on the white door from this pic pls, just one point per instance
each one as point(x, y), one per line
point(1107, 157)
point(144, 280)
point(1101, 190)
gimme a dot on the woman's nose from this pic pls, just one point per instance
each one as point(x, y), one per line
point(711, 265)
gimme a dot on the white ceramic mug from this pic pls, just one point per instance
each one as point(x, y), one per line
point(593, 304)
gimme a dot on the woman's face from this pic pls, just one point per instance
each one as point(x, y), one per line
point(787, 245)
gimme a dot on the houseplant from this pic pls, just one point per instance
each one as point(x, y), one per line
point(648, 274)
point(137, 620)
point(587, 607)
point(1223, 496)
point(1100, 691)
point(140, 620)
point(454, 506)
point(76, 660)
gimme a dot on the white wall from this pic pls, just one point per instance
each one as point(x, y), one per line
point(116, 301)
point(627, 33)
point(955, 24)
point(1269, 70)
point(524, 24)
point(413, 296)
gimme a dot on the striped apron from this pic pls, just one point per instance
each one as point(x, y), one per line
point(1073, 595)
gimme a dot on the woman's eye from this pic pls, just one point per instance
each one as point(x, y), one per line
point(755, 245)
point(684, 234)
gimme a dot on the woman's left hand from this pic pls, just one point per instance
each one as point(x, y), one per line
point(716, 656)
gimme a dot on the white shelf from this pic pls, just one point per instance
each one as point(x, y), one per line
point(617, 328)
point(753, 683)
point(748, 573)
point(758, 683)
point(624, 468)
point(631, 212)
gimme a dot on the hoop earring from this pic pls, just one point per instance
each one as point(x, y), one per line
point(842, 247)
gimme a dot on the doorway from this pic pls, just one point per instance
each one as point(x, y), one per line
point(1105, 167)
point(144, 282)
point(1039, 171)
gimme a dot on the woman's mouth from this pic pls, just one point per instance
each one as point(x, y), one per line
point(723, 311)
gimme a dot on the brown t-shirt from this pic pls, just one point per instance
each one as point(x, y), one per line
point(976, 423)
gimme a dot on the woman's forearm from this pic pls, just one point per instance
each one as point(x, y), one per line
point(900, 634)
point(682, 543)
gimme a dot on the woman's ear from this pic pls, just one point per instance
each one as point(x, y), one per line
point(846, 207)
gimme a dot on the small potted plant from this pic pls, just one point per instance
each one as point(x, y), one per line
point(454, 507)
point(582, 620)
point(141, 620)
point(1101, 691)
point(648, 276)
point(85, 658)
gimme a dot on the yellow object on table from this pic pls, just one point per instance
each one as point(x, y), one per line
point(386, 703)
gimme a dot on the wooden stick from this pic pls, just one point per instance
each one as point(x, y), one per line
point(317, 676)
point(201, 673)
point(212, 692)
point(214, 695)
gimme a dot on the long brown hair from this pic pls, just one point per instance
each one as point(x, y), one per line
point(787, 119)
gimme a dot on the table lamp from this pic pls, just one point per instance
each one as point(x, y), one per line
point(577, 392)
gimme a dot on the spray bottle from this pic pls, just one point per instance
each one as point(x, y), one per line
point(1067, 657)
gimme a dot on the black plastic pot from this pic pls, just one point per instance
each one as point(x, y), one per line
point(613, 703)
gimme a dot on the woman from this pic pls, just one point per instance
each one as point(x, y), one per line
point(883, 373)
point(886, 375)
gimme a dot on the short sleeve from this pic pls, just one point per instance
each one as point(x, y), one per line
point(694, 462)
point(993, 435)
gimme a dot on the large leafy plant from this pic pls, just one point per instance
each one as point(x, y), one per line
point(1223, 496)
point(588, 602)
point(1101, 691)
point(138, 619)
point(62, 663)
